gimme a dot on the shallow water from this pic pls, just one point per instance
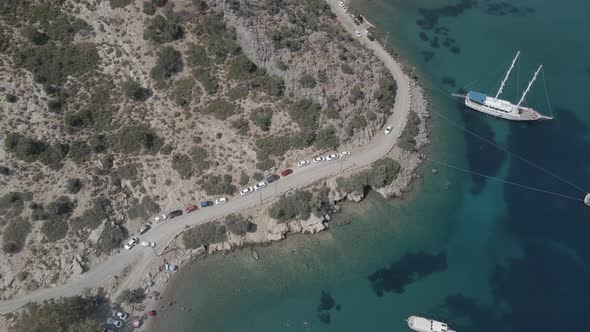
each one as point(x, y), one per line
point(479, 254)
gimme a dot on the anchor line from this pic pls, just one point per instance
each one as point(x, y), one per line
point(439, 114)
point(502, 180)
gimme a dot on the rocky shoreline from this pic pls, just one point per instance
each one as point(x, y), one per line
point(269, 231)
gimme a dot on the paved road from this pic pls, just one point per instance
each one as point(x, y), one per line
point(141, 259)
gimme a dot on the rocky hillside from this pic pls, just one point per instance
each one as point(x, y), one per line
point(113, 111)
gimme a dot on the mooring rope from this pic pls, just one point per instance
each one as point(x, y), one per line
point(546, 93)
point(439, 114)
point(502, 180)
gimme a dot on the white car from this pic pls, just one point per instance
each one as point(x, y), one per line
point(341, 3)
point(366, 32)
point(260, 185)
point(344, 153)
point(302, 163)
point(345, 9)
point(147, 244)
point(357, 33)
point(388, 129)
point(318, 159)
point(246, 191)
point(120, 315)
point(160, 218)
point(221, 200)
point(332, 157)
point(114, 322)
point(131, 243)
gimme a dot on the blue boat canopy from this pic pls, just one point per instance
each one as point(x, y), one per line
point(476, 97)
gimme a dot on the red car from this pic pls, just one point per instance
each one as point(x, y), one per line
point(191, 209)
point(286, 172)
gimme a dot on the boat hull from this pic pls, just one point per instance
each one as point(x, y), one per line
point(525, 114)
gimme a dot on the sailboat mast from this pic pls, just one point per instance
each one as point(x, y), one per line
point(529, 86)
point(507, 74)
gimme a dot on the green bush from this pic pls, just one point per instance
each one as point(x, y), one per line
point(238, 92)
point(271, 84)
point(159, 3)
point(74, 185)
point(306, 113)
point(133, 90)
point(197, 56)
point(5, 170)
point(262, 117)
point(162, 29)
point(54, 230)
point(182, 164)
point(183, 92)
point(143, 209)
point(127, 172)
point(187, 165)
point(382, 173)
point(15, 235)
point(60, 209)
point(244, 179)
point(111, 238)
point(242, 69)
point(149, 8)
point(92, 217)
point(132, 296)
point(358, 122)
point(48, 63)
point(120, 3)
point(241, 125)
point(327, 139)
point(136, 139)
point(220, 42)
point(55, 154)
point(356, 94)
point(169, 62)
point(79, 152)
point(346, 69)
point(221, 109)
point(64, 314)
point(218, 185)
point(204, 234)
point(237, 224)
point(11, 98)
point(24, 148)
point(47, 21)
point(12, 203)
point(295, 206)
point(97, 112)
point(307, 81)
point(386, 93)
point(208, 81)
point(412, 129)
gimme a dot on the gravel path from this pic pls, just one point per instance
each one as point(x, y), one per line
point(141, 259)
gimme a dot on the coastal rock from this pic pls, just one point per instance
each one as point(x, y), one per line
point(355, 196)
point(312, 225)
point(277, 231)
point(199, 251)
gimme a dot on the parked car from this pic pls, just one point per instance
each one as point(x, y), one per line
point(260, 185)
point(344, 153)
point(357, 33)
point(143, 229)
point(131, 243)
point(120, 315)
point(174, 214)
point(318, 159)
point(302, 163)
point(160, 218)
point(366, 32)
point(332, 157)
point(191, 208)
point(148, 244)
point(370, 37)
point(286, 172)
point(341, 3)
point(221, 200)
point(114, 322)
point(246, 191)
point(206, 203)
point(272, 178)
point(388, 129)
point(345, 9)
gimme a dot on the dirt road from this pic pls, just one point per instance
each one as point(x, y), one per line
point(141, 259)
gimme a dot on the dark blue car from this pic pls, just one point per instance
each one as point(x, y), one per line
point(206, 203)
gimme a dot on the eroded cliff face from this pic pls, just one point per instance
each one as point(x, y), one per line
point(299, 43)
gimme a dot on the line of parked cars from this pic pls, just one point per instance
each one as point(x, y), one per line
point(319, 159)
point(262, 184)
point(116, 320)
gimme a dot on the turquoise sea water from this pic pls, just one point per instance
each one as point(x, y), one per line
point(479, 254)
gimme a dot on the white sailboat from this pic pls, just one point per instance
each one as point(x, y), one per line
point(421, 324)
point(502, 108)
